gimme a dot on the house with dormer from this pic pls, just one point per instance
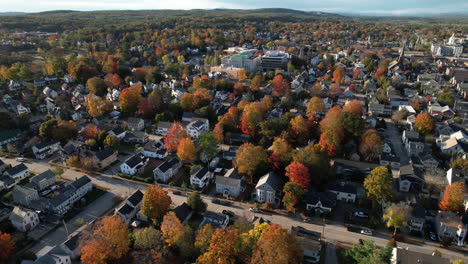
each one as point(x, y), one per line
point(268, 189)
point(197, 127)
point(201, 177)
point(166, 170)
point(45, 149)
point(135, 164)
point(130, 207)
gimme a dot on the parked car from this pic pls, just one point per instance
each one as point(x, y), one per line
point(176, 192)
point(366, 232)
point(229, 213)
point(253, 209)
point(360, 214)
point(354, 229)
point(432, 236)
point(225, 203)
point(20, 159)
point(216, 201)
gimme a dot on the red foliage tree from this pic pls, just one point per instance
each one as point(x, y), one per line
point(453, 197)
point(354, 107)
point(219, 133)
point(280, 86)
point(298, 173)
point(90, 132)
point(356, 73)
point(7, 247)
point(129, 99)
point(145, 109)
point(330, 142)
point(175, 133)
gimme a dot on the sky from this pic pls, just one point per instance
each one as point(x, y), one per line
point(364, 7)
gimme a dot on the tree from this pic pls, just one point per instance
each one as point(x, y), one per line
point(145, 109)
point(186, 149)
point(256, 83)
point(219, 133)
point(396, 215)
point(202, 241)
point(7, 247)
point(371, 145)
point(209, 146)
point(155, 203)
point(298, 173)
point(453, 197)
point(148, 238)
point(379, 185)
point(249, 158)
point(222, 247)
point(97, 106)
point(97, 86)
point(399, 115)
point(172, 229)
point(434, 180)
point(330, 142)
point(367, 253)
point(292, 195)
point(174, 135)
point(354, 107)
point(111, 142)
point(352, 124)
point(112, 80)
point(318, 163)
point(47, 128)
point(446, 98)
point(129, 99)
point(58, 171)
point(196, 203)
point(90, 131)
point(276, 245)
point(282, 148)
point(74, 161)
point(6, 120)
point(280, 86)
point(424, 123)
point(109, 241)
point(156, 100)
point(298, 131)
point(459, 163)
point(314, 106)
point(249, 239)
point(338, 74)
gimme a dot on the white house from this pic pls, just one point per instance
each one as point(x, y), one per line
point(163, 127)
point(135, 124)
point(216, 220)
point(24, 219)
point(166, 170)
point(69, 195)
point(201, 177)
point(155, 149)
point(130, 206)
point(344, 192)
point(449, 224)
point(45, 149)
point(198, 127)
point(268, 189)
point(57, 255)
point(134, 164)
point(18, 172)
point(118, 132)
point(21, 109)
point(230, 184)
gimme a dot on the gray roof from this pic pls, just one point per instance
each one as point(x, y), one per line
point(18, 214)
point(182, 211)
point(270, 181)
point(405, 256)
point(136, 197)
point(45, 144)
point(200, 173)
point(45, 175)
point(166, 165)
point(134, 161)
point(17, 169)
point(342, 187)
point(104, 154)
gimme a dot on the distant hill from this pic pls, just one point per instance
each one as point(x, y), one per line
point(11, 13)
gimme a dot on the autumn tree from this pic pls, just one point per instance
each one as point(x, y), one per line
point(111, 142)
point(97, 86)
point(298, 173)
point(282, 148)
point(219, 133)
point(109, 241)
point(186, 150)
point(424, 123)
point(371, 145)
point(292, 195)
point(203, 238)
point(174, 135)
point(459, 163)
point(330, 142)
point(332, 120)
point(252, 115)
point(367, 252)
point(148, 238)
point(256, 82)
point(276, 245)
point(338, 74)
point(222, 247)
point(90, 131)
point(74, 161)
point(396, 215)
point(379, 185)
point(97, 106)
point(280, 86)
point(129, 99)
point(145, 109)
point(314, 106)
point(249, 158)
point(318, 163)
point(356, 73)
point(196, 203)
point(453, 198)
point(354, 107)
point(298, 131)
point(352, 124)
point(249, 240)
point(155, 202)
point(112, 80)
point(7, 247)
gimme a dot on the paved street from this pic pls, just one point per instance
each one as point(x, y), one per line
point(395, 139)
point(333, 232)
point(331, 254)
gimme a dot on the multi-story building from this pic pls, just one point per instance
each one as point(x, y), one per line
point(273, 60)
point(247, 60)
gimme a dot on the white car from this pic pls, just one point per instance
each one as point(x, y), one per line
point(360, 214)
point(20, 159)
point(366, 232)
point(253, 209)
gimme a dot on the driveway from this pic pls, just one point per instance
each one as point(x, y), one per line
point(392, 134)
point(90, 213)
point(331, 258)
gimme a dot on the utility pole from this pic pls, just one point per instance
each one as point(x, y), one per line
point(66, 229)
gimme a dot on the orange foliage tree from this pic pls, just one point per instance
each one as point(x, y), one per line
point(219, 133)
point(155, 202)
point(145, 109)
point(298, 173)
point(112, 80)
point(424, 123)
point(454, 195)
point(354, 107)
point(90, 131)
point(129, 99)
point(7, 247)
point(314, 106)
point(186, 149)
point(97, 106)
point(280, 86)
point(249, 158)
point(109, 241)
point(175, 133)
point(298, 131)
point(371, 145)
point(222, 247)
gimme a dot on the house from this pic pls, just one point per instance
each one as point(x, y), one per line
point(69, 195)
point(105, 158)
point(230, 184)
point(45, 149)
point(413, 142)
point(310, 241)
point(6, 183)
point(56, 255)
point(392, 161)
point(18, 172)
point(198, 127)
point(417, 217)
point(8, 136)
point(163, 127)
point(344, 192)
point(428, 161)
point(380, 109)
point(43, 180)
point(135, 164)
point(438, 112)
point(216, 220)
point(268, 189)
point(387, 148)
point(135, 124)
point(456, 175)
point(118, 132)
point(130, 206)
point(449, 224)
point(155, 149)
point(21, 109)
point(166, 170)
point(201, 177)
point(24, 195)
point(183, 212)
point(410, 179)
point(237, 138)
point(230, 153)
point(405, 256)
point(136, 137)
point(320, 202)
point(24, 219)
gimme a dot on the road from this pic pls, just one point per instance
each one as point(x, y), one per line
point(331, 254)
point(395, 139)
point(332, 232)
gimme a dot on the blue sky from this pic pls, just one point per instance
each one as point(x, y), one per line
point(366, 7)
